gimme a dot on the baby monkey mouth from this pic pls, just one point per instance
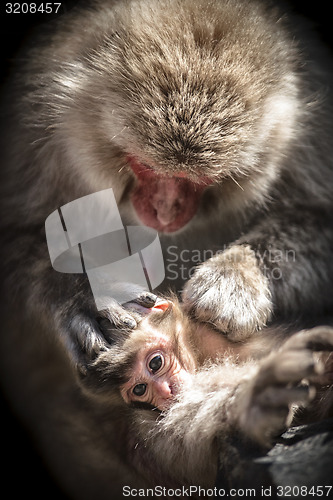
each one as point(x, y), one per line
point(165, 203)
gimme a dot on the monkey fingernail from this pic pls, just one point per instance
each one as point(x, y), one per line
point(129, 322)
point(147, 299)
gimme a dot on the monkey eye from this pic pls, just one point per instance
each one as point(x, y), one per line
point(139, 389)
point(156, 363)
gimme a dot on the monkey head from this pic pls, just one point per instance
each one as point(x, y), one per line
point(148, 365)
point(157, 374)
point(186, 118)
point(162, 362)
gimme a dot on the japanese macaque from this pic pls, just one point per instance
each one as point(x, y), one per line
point(211, 122)
point(208, 387)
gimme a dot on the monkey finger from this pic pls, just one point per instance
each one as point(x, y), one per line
point(288, 366)
point(297, 365)
point(316, 339)
point(146, 299)
point(262, 423)
point(118, 316)
point(282, 397)
point(111, 332)
point(87, 339)
point(141, 305)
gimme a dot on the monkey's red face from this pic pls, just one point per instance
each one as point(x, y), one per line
point(165, 203)
point(157, 374)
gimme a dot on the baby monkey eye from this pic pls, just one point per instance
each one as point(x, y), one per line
point(139, 389)
point(156, 363)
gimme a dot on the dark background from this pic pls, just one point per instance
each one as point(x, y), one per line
point(16, 28)
point(17, 447)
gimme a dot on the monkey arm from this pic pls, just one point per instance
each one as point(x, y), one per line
point(296, 263)
point(62, 302)
point(277, 268)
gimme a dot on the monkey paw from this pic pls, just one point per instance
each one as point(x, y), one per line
point(276, 388)
point(91, 333)
point(230, 292)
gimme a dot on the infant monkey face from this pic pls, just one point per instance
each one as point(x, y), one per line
point(157, 372)
point(156, 376)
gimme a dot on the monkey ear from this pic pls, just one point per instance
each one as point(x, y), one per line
point(161, 305)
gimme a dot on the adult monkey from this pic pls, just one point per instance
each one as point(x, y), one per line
point(201, 137)
point(207, 122)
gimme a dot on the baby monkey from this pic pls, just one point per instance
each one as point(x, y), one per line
point(181, 386)
point(170, 347)
point(156, 360)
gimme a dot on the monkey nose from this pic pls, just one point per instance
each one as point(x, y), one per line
point(166, 200)
point(166, 212)
point(163, 389)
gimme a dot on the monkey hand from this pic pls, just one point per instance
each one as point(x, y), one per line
point(276, 388)
point(90, 332)
point(230, 292)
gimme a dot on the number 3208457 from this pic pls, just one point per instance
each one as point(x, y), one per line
point(32, 8)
